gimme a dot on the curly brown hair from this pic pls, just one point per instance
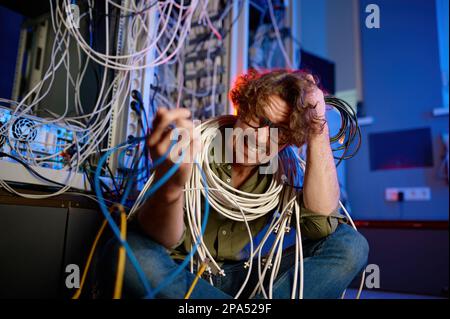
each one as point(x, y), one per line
point(252, 91)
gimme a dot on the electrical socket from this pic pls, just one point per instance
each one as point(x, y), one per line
point(394, 194)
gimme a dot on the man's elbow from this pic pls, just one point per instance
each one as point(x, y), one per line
point(326, 207)
point(323, 210)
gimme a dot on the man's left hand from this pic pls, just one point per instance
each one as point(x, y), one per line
point(316, 98)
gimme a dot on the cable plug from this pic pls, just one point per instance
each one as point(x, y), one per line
point(277, 227)
point(131, 139)
point(136, 106)
point(135, 94)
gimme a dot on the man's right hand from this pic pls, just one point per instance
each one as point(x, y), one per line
point(166, 123)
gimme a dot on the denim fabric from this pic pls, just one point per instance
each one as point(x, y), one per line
point(330, 264)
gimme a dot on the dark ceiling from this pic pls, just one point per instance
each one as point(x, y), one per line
point(28, 8)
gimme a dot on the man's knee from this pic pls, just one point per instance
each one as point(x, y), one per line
point(151, 257)
point(353, 247)
point(145, 249)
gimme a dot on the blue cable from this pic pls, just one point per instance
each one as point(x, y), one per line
point(186, 260)
point(161, 159)
point(91, 37)
point(129, 184)
point(111, 222)
point(160, 182)
point(155, 164)
point(168, 174)
point(151, 191)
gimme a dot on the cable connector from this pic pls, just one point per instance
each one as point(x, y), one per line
point(135, 106)
point(131, 139)
point(206, 262)
point(135, 94)
point(264, 261)
point(277, 228)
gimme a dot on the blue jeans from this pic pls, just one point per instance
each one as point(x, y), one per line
point(330, 265)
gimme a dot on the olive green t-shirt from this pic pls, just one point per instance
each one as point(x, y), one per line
point(226, 238)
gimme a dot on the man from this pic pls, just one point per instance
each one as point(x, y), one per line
point(334, 253)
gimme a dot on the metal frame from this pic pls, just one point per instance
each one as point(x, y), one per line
point(238, 45)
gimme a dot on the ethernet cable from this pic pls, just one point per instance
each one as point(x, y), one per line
point(113, 225)
point(169, 279)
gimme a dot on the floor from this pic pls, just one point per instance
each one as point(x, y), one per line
point(377, 294)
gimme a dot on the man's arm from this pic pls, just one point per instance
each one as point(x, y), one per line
point(321, 187)
point(161, 217)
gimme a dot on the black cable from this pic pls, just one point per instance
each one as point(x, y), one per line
point(30, 169)
point(112, 178)
point(349, 130)
point(102, 183)
point(91, 182)
point(155, 89)
point(133, 171)
point(138, 106)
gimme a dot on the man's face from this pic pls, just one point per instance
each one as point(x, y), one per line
point(258, 140)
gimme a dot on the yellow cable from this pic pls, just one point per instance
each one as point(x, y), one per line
point(121, 258)
point(194, 283)
point(88, 261)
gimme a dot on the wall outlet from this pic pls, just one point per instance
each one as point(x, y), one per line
point(399, 194)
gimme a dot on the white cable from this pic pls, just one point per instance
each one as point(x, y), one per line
point(364, 271)
point(277, 32)
point(244, 206)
